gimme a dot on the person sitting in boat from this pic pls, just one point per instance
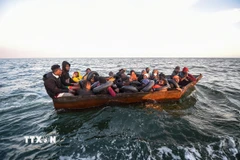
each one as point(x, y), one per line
point(174, 83)
point(104, 87)
point(144, 81)
point(185, 77)
point(121, 72)
point(155, 75)
point(162, 80)
point(148, 71)
point(175, 72)
point(162, 83)
point(85, 88)
point(118, 81)
point(76, 77)
point(88, 70)
point(54, 86)
point(65, 77)
point(111, 77)
point(140, 78)
point(133, 76)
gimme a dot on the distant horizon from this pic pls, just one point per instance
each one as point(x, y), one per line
point(121, 57)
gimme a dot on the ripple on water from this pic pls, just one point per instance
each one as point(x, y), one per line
point(203, 125)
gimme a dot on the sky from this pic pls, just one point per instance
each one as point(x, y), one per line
point(126, 28)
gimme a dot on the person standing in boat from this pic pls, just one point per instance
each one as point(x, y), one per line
point(185, 77)
point(54, 86)
point(65, 77)
point(175, 72)
point(88, 70)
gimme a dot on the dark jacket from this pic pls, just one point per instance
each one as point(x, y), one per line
point(65, 75)
point(53, 85)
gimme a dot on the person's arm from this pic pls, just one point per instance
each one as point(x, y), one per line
point(191, 78)
point(51, 85)
point(71, 80)
point(184, 77)
point(85, 76)
point(63, 80)
point(173, 74)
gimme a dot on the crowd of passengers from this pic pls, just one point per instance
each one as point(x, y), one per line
point(59, 83)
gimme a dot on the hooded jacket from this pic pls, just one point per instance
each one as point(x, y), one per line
point(65, 75)
point(77, 79)
point(53, 85)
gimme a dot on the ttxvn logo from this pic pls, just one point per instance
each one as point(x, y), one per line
point(39, 139)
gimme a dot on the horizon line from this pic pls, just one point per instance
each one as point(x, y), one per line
point(113, 57)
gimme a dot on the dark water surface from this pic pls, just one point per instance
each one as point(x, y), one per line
point(206, 125)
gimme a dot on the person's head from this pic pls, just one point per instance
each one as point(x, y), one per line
point(155, 72)
point(111, 74)
point(162, 76)
point(176, 79)
point(144, 72)
point(123, 76)
point(185, 70)
point(122, 70)
point(147, 69)
point(145, 76)
point(75, 74)
point(132, 72)
point(65, 66)
point(95, 79)
point(56, 70)
point(88, 70)
point(177, 69)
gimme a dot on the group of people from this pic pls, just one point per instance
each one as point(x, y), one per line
point(59, 83)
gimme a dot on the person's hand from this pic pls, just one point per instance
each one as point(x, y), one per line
point(71, 91)
point(75, 84)
point(179, 89)
point(117, 90)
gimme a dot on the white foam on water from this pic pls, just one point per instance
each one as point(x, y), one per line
point(190, 153)
point(231, 142)
point(226, 143)
point(129, 156)
point(113, 141)
point(167, 151)
point(83, 148)
point(78, 157)
point(209, 150)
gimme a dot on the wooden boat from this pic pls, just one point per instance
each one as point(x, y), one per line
point(88, 101)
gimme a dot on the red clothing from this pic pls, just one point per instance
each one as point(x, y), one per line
point(191, 78)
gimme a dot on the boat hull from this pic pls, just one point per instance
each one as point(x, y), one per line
point(89, 101)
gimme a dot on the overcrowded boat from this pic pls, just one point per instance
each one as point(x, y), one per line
point(93, 90)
